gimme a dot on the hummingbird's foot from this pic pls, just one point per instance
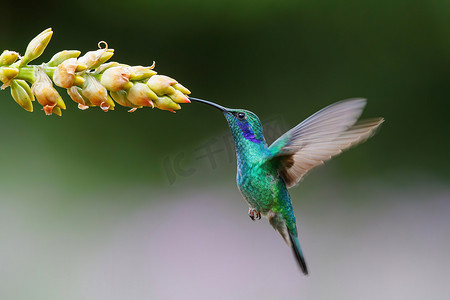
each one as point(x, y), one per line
point(254, 214)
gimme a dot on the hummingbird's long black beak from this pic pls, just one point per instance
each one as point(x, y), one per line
point(221, 108)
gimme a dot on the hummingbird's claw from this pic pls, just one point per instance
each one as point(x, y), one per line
point(251, 213)
point(254, 214)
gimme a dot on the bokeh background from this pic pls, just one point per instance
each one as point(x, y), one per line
point(116, 205)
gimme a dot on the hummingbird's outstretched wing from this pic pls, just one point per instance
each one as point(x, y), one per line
point(321, 136)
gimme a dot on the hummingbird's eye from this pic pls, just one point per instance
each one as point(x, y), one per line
point(241, 115)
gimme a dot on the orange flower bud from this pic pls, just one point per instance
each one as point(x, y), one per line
point(161, 85)
point(44, 91)
point(64, 75)
point(141, 95)
point(116, 78)
point(121, 98)
point(93, 59)
point(95, 92)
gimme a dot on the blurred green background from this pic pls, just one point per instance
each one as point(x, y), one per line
point(116, 205)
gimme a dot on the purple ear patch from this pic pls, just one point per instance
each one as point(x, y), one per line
point(248, 132)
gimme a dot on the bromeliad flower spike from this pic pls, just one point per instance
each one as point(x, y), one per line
point(264, 173)
point(88, 79)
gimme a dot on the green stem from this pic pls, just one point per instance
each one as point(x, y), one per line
point(27, 73)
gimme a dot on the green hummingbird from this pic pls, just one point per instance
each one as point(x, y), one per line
point(264, 173)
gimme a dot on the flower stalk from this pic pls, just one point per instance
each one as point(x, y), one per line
point(90, 80)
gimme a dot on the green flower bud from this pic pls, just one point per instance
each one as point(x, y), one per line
point(37, 46)
point(56, 110)
point(121, 98)
point(96, 93)
point(182, 89)
point(116, 78)
point(6, 74)
point(140, 72)
point(79, 80)
point(161, 85)
point(21, 92)
point(60, 103)
point(64, 75)
point(59, 57)
point(179, 97)
point(103, 67)
point(165, 103)
point(44, 91)
point(81, 68)
point(104, 58)
point(141, 95)
point(8, 57)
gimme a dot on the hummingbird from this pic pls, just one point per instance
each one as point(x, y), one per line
point(265, 173)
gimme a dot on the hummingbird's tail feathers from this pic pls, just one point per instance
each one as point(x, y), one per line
point(298, 253)
point(278, 222)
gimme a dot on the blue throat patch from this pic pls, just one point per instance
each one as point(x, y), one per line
point(248, 132)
